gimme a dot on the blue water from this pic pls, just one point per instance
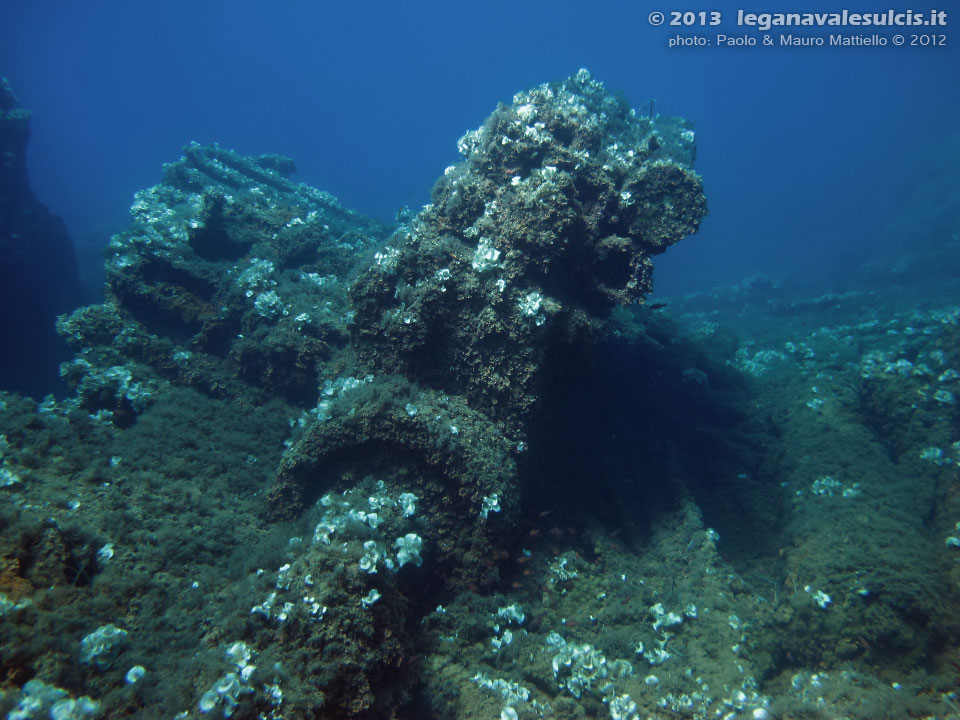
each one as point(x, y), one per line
point(802, 150)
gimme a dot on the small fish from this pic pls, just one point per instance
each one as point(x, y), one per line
point(657, 306)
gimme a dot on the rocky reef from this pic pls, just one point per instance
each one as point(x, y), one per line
point(317, 467)
point(38, 272)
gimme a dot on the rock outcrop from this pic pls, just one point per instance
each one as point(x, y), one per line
point(38, 272)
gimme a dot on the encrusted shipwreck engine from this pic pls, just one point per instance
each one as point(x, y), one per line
point(550, 220)
point(417, 355)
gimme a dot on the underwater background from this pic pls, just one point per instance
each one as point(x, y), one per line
point(473, 361)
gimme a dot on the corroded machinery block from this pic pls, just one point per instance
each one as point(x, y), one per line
point(229, 278)
point(551, 218)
